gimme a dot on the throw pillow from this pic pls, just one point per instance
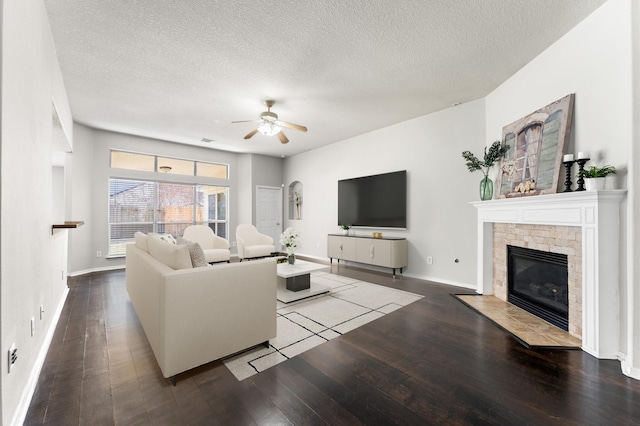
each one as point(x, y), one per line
point(141, 241)
point(168, 238)
point(175, 256)
point(195, 251)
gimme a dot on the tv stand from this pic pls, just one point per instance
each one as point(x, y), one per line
point(386, 252)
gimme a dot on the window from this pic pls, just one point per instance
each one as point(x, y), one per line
point(132, 161)
point(162, 207)
point(212, 170)
point(154, 163)
point(178, 167)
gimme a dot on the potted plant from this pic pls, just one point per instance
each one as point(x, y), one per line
point(289, 240)
point(594, 176)
point(345, 228)
point(495, 153)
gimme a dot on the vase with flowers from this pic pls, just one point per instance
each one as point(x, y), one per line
point(289, 240)
point(496, 152)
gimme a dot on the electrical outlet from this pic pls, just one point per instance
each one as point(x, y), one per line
point(99, 253)
point(234, 243)
point(41, 312)
point(429, 260)
point(13, 356)
point(33, 326)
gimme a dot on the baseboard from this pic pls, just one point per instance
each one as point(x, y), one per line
point(628, 369)
point(388, 270)
point(29, 390)
point(101, 269)
point(317, 259)
point(437, 280)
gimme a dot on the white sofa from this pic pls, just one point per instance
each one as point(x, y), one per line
point(193, 316)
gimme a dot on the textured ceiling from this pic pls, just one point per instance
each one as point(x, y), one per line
point(183, 70)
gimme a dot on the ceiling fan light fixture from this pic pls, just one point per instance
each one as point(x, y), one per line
point(269, 128)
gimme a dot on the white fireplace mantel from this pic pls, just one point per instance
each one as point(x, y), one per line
point(598, 214)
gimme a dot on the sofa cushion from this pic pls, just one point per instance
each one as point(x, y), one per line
point(141, 241)
point(196, 253)
point(217, 255)
point(258, 251)
point(175, 256)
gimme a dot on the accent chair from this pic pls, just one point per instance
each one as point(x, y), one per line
point(252, 244)
point(215, 248)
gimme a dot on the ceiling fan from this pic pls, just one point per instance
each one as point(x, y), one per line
point(269, 124)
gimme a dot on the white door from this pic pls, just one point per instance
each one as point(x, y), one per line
point(269, 212)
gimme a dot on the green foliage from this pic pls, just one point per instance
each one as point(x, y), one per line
point(596, 172)
point(496, 152)
point(345, 226)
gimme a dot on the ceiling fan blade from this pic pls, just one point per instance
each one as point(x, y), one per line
point(282, 137)
point(291, 125)
point(245, 121)
point(251, 133)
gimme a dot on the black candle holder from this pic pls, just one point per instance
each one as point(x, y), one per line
point(567, 179)
point(581, 162)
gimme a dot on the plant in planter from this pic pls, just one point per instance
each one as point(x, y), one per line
point(289, 240)
point(495, 153)
point(345, 228)
point(594, 176)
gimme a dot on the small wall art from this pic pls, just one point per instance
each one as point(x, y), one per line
point(537, 143)
point(295, 200)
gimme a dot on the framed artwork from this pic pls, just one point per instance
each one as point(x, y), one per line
point(537, 143)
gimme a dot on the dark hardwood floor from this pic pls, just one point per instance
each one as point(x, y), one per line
point(433, 362)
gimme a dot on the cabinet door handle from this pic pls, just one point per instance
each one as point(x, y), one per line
point(340, 247)
point(371, 252)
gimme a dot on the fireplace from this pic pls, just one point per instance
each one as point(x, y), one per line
point(593, 255)
point(538, 283)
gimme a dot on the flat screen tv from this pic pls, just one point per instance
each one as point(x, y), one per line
point(377, 201)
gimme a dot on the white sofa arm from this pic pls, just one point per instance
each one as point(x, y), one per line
point(213, 312)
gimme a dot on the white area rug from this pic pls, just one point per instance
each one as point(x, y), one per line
point(310, 322)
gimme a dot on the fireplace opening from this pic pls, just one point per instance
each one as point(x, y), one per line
point(538, 282)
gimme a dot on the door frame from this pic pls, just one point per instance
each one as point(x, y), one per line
point(280, 220)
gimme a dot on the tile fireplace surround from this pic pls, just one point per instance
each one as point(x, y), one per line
point(597, 213)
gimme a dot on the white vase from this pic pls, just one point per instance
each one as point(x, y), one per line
point(594, 184)
point(345, 232)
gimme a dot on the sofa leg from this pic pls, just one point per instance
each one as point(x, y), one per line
point(173, 380)
point(266, 344)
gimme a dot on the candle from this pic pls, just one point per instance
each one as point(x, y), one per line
point(568, 157)
point(583, 155)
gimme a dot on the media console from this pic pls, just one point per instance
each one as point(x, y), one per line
point(386, 252)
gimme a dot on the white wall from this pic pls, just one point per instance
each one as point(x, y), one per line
point(32, 257)
point(441, 223)
point(79, 168)
point(244, 197)
point(593, 61)
point(255, 170)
